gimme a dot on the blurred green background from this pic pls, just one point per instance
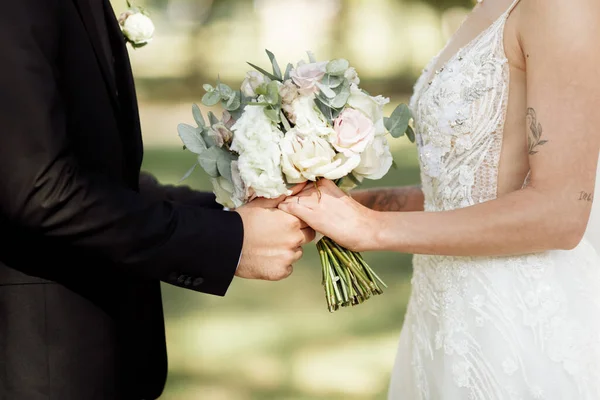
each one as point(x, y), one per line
point(277, 340)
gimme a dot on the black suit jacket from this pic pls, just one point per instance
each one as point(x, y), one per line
point(83, 245)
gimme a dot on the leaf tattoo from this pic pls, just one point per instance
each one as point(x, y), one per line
point(535, 132)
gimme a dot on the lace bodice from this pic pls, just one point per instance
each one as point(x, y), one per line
point(459, 113)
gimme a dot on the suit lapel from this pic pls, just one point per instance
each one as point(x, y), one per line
point(92, 30)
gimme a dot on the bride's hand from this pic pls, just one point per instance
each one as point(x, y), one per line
point(334, 214)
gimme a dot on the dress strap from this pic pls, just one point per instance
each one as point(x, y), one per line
point(512, 6)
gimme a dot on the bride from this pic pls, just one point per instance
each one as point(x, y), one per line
point(505, 300)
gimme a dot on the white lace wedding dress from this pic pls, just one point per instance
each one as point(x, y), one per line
point(490, 328)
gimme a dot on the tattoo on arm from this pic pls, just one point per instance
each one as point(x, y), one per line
point(392, 199)
point(535, 132)
point(585, 196)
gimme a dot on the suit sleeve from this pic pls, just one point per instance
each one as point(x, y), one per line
point(45, 193)
point(151, 187)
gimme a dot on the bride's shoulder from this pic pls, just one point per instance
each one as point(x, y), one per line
point(559, 23)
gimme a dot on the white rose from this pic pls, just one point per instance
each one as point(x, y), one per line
point(307, 75)
point(308, 119)
point(256, 140)
point(352, 76)
point(376, 160)
point(137, 27)
point(253, 80)
point(371, 106)
point(223, 190)
point(308, 157)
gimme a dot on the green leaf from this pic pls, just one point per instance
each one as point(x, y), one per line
point(332, 81)
point(212, 118)
point(342, 97)
point(208, 87)
point(188, 173)
point(272, 114)
point(354, 179)
point(211, 98)
point(410, 134)
point(276, 69)
point(198, 115)
point(397, 123)
point(265, 73)
point(272, 96)
point(327, 92)
point(208, 161)
point(288, 71)
point(225, 91)
point(337, 67)
point(394, 165)
point(233, 103)
point(191, 138)
point(329, 113)
point(224, 165)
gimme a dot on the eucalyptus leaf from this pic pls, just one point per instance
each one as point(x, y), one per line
point(224, 165)
point(276, 69)
point(265, 73)
point(327, 92)
point(208, 137)
point(198, 115)
point(191, 138)
point(208, 87)
point(341, 99)
point(337, 67)
point(208, 161)
point(332, 81)
point(397, 123)
point(272, 96)
point(225, 91)
point(188, 173)
point(288, 72)
point(211, 98)
point(272, 114)
point(212, 118)
point(410, 134)
point(233, 103)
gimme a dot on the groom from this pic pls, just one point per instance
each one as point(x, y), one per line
point(85, 239)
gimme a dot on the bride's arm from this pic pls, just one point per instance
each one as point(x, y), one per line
point(563, 90)
point(403, 198)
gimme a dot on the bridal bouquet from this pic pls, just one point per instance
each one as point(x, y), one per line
point(281, 128)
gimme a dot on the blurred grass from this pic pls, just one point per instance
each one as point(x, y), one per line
point(268, 340)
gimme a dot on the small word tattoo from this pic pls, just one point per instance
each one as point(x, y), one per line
point(585, 196)
point(535, 132)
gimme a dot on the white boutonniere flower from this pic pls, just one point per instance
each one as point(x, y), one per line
point(136, 25)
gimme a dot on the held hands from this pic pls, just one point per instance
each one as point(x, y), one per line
point(273, 240)
point(330, 211)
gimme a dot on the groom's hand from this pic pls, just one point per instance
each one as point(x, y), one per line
point(273, 240)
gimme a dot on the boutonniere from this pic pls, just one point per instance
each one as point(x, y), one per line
point(136, 25)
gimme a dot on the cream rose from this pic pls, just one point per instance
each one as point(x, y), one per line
point(310, 157)
point(371, 106)
point(376, 160)
point(306, 76)
point(137, 27)
point(252, 81)
point(353, 130)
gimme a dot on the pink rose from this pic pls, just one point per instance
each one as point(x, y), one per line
point(353, 132)
point(306, 76)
